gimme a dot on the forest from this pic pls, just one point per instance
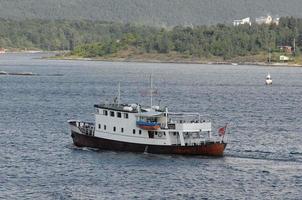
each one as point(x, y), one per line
point(86, 38)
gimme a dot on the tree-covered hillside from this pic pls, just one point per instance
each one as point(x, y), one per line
point(96, 38)
point(152, 12)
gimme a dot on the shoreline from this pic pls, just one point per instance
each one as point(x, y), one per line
point(176, 60)
point(128, 60)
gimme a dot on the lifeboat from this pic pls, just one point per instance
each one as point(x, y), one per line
point(148, 125)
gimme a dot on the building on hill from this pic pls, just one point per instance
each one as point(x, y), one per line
point(276, 20)
point(286, 49)
point(267, 20)
point(242, 21)
point(260, 20)
point(284, 58)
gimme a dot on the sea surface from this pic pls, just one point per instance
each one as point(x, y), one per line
point(263, 159)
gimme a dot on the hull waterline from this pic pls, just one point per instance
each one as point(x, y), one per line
point(206, 149)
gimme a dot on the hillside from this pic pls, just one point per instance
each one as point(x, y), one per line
point(152, 12)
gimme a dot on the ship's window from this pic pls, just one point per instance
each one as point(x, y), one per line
point(114, 128)
point(174, 133)
point(122, 130)
point(112, 113)
point(105, 112)
point(104, 127)
point(140, 132)
point(155, 133)
point(126, 115)
point(151, 134)
point(119, 115)
point(133, 131)
point(99, 126)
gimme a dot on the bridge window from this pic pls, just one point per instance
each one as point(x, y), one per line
point(122, 130)
point(112, 113)
point(126, 115)
point(99, 126)
point(114, 128)
point(104, 127)
point(133, 131)
point(105, 112)
point(119, 115)
point(140, 132)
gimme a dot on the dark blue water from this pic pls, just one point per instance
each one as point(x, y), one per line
point(263, 159)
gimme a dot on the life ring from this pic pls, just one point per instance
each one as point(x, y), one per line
point(160, 134)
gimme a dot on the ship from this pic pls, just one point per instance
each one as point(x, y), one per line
point(147, 129)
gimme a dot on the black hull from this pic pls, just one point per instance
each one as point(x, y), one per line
point(207, 149)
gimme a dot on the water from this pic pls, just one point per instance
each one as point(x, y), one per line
point(263, 159)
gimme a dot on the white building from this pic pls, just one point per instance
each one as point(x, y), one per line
point(276, 21)
point(242, 21)
point(284, 58)
point(264, 20)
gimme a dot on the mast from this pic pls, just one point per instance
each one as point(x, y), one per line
point(166, 113)
point(151, 91)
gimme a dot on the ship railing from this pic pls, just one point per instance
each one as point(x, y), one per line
point(86, 128)
point(182, 117)
point(202, 142)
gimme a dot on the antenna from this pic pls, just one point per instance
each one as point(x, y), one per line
point(119, 93)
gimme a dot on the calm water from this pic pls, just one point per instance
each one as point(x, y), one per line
point(38, 161)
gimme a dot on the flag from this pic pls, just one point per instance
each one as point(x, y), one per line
point(221, 131)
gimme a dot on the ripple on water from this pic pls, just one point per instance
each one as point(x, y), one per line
point(38, 161)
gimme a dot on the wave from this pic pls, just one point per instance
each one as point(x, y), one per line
point(73, 147)
point(295, 153)
point(266, 155)
point(259, 151)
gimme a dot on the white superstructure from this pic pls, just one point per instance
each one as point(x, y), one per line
point(119, 122)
